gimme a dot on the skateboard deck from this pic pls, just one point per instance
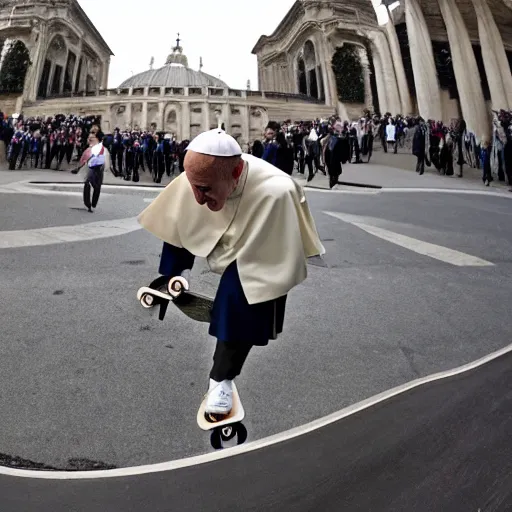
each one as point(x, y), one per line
point(224, 427)
point(159, 293)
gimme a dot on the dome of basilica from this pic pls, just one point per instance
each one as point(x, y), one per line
point(175, 73)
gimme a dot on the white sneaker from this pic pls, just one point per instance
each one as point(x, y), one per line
point(220, 397)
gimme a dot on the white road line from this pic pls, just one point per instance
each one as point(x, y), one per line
point(366, 192)
point(21, 187)
point(255, 445)
point(473, 192)
point(406, 190)
point(33, 191)
point(149, 188)
point(437, 252)
point(66, 234)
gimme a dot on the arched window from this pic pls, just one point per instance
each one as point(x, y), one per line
point(348, 72)
point(54, 67)
point(171, 124)
point(14, 67)
point(303, 84)
point(309, 71)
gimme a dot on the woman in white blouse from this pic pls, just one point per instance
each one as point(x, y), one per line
point(391, 134)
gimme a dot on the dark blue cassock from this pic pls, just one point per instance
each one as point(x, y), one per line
point(233, 318)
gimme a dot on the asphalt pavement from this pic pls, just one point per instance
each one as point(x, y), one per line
point(90, 380)
point(441, 446)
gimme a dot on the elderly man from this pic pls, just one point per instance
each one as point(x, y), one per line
point(252, 223)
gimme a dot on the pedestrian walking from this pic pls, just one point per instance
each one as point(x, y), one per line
point(96, 158)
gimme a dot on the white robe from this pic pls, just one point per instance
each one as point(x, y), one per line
point(266, 226)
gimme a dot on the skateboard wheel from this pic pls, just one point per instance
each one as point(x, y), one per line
point(147, 301)
point(241, 433)
point(177, 285)
point(215, 439)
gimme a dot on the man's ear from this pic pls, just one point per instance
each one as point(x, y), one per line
point(237, 171)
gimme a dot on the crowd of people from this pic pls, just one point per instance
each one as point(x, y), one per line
point(326, 145)
point(45, 143)
point(320, 145)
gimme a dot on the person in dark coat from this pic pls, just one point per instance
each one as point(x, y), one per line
point(284, 155)
point(508, 156)
point(446, 156)
point(485, 158)
point(337, 152)
point(460, 131)
point(257, 149)
point(419, 146)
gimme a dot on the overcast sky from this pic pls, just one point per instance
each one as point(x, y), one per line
point(223, 32)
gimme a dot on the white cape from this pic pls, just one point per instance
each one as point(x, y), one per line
point(266, 226)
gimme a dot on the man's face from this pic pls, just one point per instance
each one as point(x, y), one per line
point(211, 179)
point(269, 134)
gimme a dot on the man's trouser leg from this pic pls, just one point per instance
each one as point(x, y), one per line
point(87, 194)
point(228, 360)
point(420, 165)
point(98, 181)
point(15, 153)
point(113, 156)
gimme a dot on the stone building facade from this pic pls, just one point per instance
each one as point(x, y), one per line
point(297, 57)
point(68, 74)
point(442, 59)
point(67, 53)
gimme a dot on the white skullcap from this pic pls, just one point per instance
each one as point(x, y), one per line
point(216, 143)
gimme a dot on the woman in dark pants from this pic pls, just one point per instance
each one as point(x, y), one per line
point(96, 159)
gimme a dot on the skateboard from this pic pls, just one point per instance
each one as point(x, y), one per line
point(161, 292)
point(223, 427)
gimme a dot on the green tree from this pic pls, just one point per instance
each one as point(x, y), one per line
point(14, 68)
point(348, 72)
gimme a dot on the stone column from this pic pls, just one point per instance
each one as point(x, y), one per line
point(62, 77)
point(206, 116)
point(161, 114)
point(423, 64)
point(326, 52)
point(50, 79)
point(185, 125)
point(37, 56)
point(226, 116)
point(388, 72)
point(275, 77)
point(128, 116)
point(244, 111)
point(280, 81)
point(398, 64)
point(77, 64)
point(494, 56)
point(472, 102)
point(363, 56)
point(144, 116)
point(106, 68)
point(381, 83)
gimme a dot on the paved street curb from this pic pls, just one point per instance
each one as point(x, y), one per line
point(78, 183)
